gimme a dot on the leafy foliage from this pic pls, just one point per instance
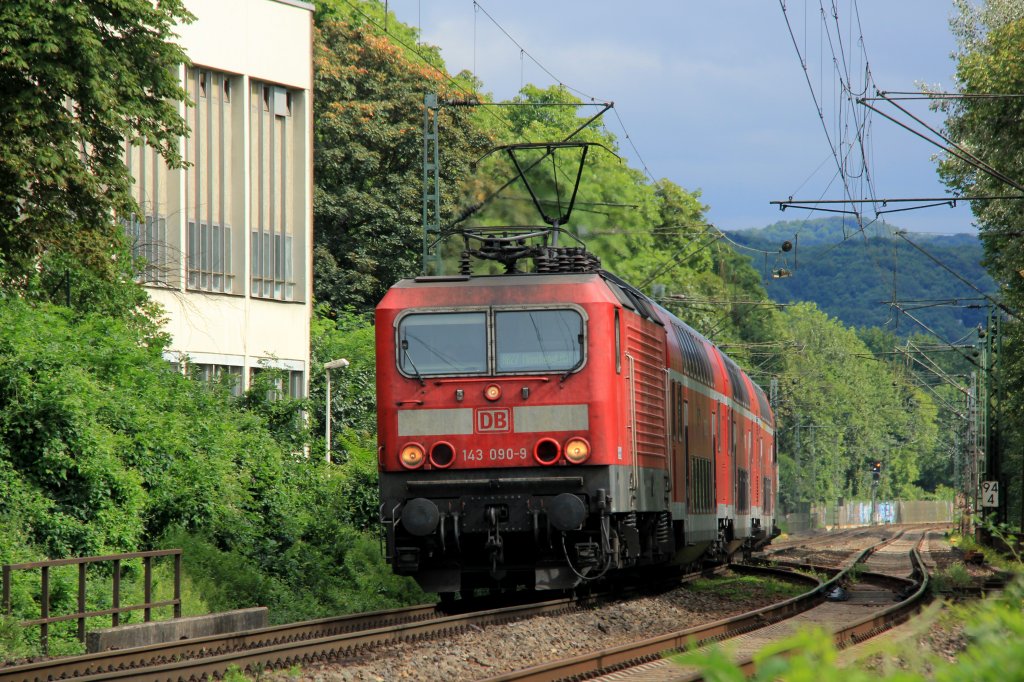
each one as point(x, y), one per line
point(368, 159)
point(842, 409)
point(105, 448)
point(989, 60)
point(994, 628)
point(78, 80)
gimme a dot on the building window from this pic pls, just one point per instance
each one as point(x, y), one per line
point(155, 250)
point(283, 382)
point(272, 270)
point(276, 158)
point(209, 257)
point(212, 199)
point(229, 376)
point(149, 245)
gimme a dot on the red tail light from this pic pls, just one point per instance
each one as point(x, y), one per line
point(442, 455)
point(546, 451)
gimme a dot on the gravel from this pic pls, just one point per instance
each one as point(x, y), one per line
point(493, 650)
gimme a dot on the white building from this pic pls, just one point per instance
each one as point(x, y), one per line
point(229, 239)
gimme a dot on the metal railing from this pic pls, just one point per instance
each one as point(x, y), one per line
point(116, 609)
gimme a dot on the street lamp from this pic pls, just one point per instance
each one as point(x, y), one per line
point(328, 366)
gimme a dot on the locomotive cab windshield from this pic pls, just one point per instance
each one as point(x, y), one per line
point(496, 341)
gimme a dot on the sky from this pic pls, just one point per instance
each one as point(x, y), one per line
point(712, 93)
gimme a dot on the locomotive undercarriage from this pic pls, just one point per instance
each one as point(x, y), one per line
point(496, 529)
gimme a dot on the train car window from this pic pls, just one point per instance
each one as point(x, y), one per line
point(698, 365)
point(739, 387)
point(618, 344)
point(686, 429)
point(762, 401)
point(743, 491)
point(442, 343)
point(675, 409)
point(714, 433)
point(732, 437)
point(538, 340)
point(679, 409)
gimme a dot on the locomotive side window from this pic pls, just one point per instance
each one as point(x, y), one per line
point(443, 343)
point(538, 340)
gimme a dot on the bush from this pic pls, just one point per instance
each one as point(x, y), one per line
point(994, 627)
point(104, 448)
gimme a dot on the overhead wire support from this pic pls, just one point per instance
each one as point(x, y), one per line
point(950, 149)
point(1006, 309)
point(935, 334)
point(911, 95)
point(981, 164)
point(927, 202)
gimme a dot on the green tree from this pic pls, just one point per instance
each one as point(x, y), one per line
point(368, 146)
point(79, 79)
point(989, 61)
point(841, 409)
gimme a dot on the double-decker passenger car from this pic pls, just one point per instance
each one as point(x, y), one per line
point(547, 429)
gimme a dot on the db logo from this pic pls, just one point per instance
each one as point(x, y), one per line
point(493, 420)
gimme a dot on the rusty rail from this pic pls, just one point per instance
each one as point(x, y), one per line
point(81, 615)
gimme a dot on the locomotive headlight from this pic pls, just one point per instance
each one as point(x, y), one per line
point(577, 450)
point(492, 392)
point(412, 456)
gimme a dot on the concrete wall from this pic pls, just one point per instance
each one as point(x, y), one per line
point(264, 39)
point(158, 632)
point(254, 43)
point(859, 513)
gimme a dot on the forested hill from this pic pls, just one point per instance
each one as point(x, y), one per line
point(855, 279)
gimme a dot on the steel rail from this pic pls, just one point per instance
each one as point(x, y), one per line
point(637, 653)
point(873, 624)
point(137, 657)
point(316, 649)
point(649, 650)
point(283, 646)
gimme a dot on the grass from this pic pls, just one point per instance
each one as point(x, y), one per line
point(952, 578)
point(740, 588)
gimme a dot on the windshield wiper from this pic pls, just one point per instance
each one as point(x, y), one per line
point(407, 356)
point(579, 363)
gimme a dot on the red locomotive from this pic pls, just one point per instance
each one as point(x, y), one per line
point(547, 428)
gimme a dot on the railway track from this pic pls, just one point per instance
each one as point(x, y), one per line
point(284, 646)
point(883, 571)
point(835, 548)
